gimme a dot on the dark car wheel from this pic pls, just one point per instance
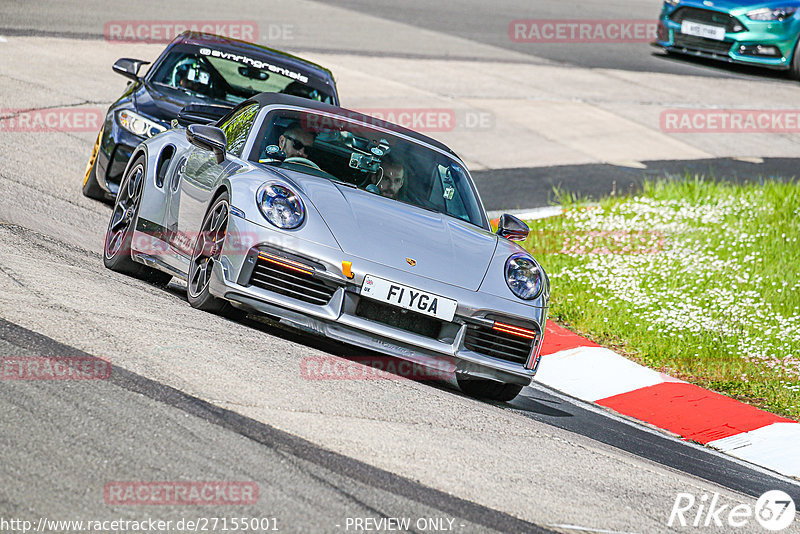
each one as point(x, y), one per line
point(207, 250)
point(117, 247)
point(91, 187)
point(794, 67)
point(489, 389)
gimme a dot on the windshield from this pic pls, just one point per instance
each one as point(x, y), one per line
point(228, 77)
point(371, 159)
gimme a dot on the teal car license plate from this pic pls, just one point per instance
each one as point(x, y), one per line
point(689, 27)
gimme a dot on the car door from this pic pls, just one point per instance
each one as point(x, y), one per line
point(202, 174)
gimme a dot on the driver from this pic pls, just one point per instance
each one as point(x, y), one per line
point(191, 75)
point(389, 179)
point(300, 89)
point(295, 142)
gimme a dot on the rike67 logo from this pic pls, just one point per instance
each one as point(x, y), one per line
point(775, 510)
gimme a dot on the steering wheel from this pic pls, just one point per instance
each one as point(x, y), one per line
point(302, 161)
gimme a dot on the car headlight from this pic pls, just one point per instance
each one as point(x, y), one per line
point(672, 3)
point(524, 277)
point(138, 125)
point(771, 13)
point(280, 205)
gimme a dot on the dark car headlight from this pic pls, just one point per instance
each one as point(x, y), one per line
point(280, 205)
point(524, 276)
point(138, 125)
point(771, 13)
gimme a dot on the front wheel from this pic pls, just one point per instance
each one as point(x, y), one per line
point(794, 67)
point(489, 389)
point(91, 187)
point(207, 250)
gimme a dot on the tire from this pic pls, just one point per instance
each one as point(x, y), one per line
point(207, 249)
point(91, 187)
point(794, 66)
point(117, 244)
point(489, 389)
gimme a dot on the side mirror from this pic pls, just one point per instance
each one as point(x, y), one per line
point(208, 138)
point(512, 228)
point(201, 114)
point(129, 67)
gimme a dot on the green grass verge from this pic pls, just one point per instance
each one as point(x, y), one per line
point(693, 277)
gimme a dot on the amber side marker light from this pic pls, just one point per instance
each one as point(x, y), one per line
point(347, 269)
point(289, 264)
point(514, 330)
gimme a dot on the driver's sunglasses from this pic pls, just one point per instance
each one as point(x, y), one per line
point(298, 145)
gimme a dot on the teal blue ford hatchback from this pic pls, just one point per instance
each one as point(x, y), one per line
point(747, 32)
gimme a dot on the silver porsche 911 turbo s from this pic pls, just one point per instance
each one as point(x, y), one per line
point(338, 224)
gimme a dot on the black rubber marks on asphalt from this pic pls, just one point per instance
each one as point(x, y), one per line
point(268, 436)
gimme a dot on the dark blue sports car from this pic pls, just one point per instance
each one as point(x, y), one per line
point(196, 68)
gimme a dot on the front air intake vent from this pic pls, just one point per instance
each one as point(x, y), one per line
point(290, 279)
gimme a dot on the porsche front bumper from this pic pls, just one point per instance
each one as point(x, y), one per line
point(339, 316)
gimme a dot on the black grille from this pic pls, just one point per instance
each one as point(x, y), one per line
point(288, 282)
point(399, 318)
point(701, 43)
point(706, 16)
point(490, 342)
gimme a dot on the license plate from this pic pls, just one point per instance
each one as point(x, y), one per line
point(703, 30)
point(409, 298)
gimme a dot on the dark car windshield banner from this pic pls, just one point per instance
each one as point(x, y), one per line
point(257, 63)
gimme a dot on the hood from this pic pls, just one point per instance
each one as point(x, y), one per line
point(738, 7)
point(388, 232)
point(164, 103)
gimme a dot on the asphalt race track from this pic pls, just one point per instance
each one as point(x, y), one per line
point(196, 397)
